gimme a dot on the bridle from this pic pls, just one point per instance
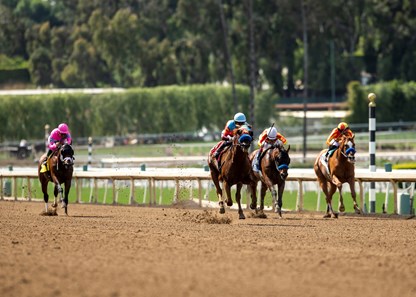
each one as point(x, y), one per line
point(281, 167)
point(66, 159)
point(350, 151)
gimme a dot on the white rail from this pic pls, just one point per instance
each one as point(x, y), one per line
point(177, 175)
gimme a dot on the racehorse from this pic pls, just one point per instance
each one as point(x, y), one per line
point(340, 169)
point(60, 172)
point(274, 167)
point(233, 168)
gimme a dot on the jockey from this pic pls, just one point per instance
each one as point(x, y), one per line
point(58, 137)
point(229, 131)
point(268, 138)
point(335, 137)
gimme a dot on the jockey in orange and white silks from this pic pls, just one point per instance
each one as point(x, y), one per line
point(229, 131)
point(58, 137)
point(335, 137)
point(267, 138)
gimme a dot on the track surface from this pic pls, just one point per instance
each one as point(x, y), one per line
point(135, 251)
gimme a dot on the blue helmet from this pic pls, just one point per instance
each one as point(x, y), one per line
point(239, 118)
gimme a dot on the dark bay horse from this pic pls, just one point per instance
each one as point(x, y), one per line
point(60, 171)
point(235, 169)
point(274, 167)
point(340, 169)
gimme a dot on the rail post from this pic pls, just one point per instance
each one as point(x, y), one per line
point(89, 150)
point(46, 137)
point(372, 148)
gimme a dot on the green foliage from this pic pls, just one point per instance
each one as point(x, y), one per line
point(265, 111)
point(154, 43)
point(405, 166)
point(396, 101)
point(142, 110)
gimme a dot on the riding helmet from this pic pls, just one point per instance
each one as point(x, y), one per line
point(342, 126)
point(272, 133)
point(63, 128)
point(239, 118)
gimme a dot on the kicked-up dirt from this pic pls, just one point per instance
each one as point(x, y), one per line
point(101, 250)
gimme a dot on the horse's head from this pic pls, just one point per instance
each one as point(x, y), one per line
point(244, 137)
point(66, 155)
point(347, 148)
point(281, 160)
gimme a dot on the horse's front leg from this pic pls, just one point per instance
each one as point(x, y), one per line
point(214, 177)
point(351, 182)
point(341, 207)
point(253, 195)
point(279, 203)
point(263, 191)
point(45, 193)
point(65, 201)
point(238, 199)
point(338, 184)
point(57, 191)
point(329, 209)
point(227, 188)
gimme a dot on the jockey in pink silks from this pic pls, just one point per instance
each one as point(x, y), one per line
point(58, 137)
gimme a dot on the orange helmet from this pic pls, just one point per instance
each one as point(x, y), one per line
point(342, 126)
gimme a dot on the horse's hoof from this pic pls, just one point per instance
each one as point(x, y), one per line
point(335, 215)
point(229, 203)
point(54, 205)
point(357, 211)
point(342, 208)
point(253, 207)
point(222, 210)
point(326, 216)
point(241, 216)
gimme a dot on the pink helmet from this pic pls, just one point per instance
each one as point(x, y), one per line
point(63, 128)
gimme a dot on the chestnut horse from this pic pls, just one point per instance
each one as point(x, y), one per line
point(340, 169)
point(59, 172)
point(273, 171)
point(233, 168)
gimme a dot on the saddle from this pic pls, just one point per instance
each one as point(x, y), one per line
point(219, 164)
point(331, 152)
point(45, 168)
point(325, 162)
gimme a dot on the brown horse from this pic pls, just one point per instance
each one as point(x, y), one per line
point(60, 171)
point(233, 168)
point(274, 165)
point(340, 169)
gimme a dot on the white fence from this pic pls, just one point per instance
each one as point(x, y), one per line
point(178, 176)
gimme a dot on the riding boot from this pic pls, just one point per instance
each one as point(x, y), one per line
point(220, 149)
point(331, 147)
point(326, 156)
point(256, 166)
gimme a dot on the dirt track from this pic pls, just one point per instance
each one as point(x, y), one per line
point(135, 251)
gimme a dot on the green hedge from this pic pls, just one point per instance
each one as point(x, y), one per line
point(146, 110)
point(396, 101)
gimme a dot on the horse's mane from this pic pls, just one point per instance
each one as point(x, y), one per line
point(67, 148)
point(345, 139)
point(279, 152)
